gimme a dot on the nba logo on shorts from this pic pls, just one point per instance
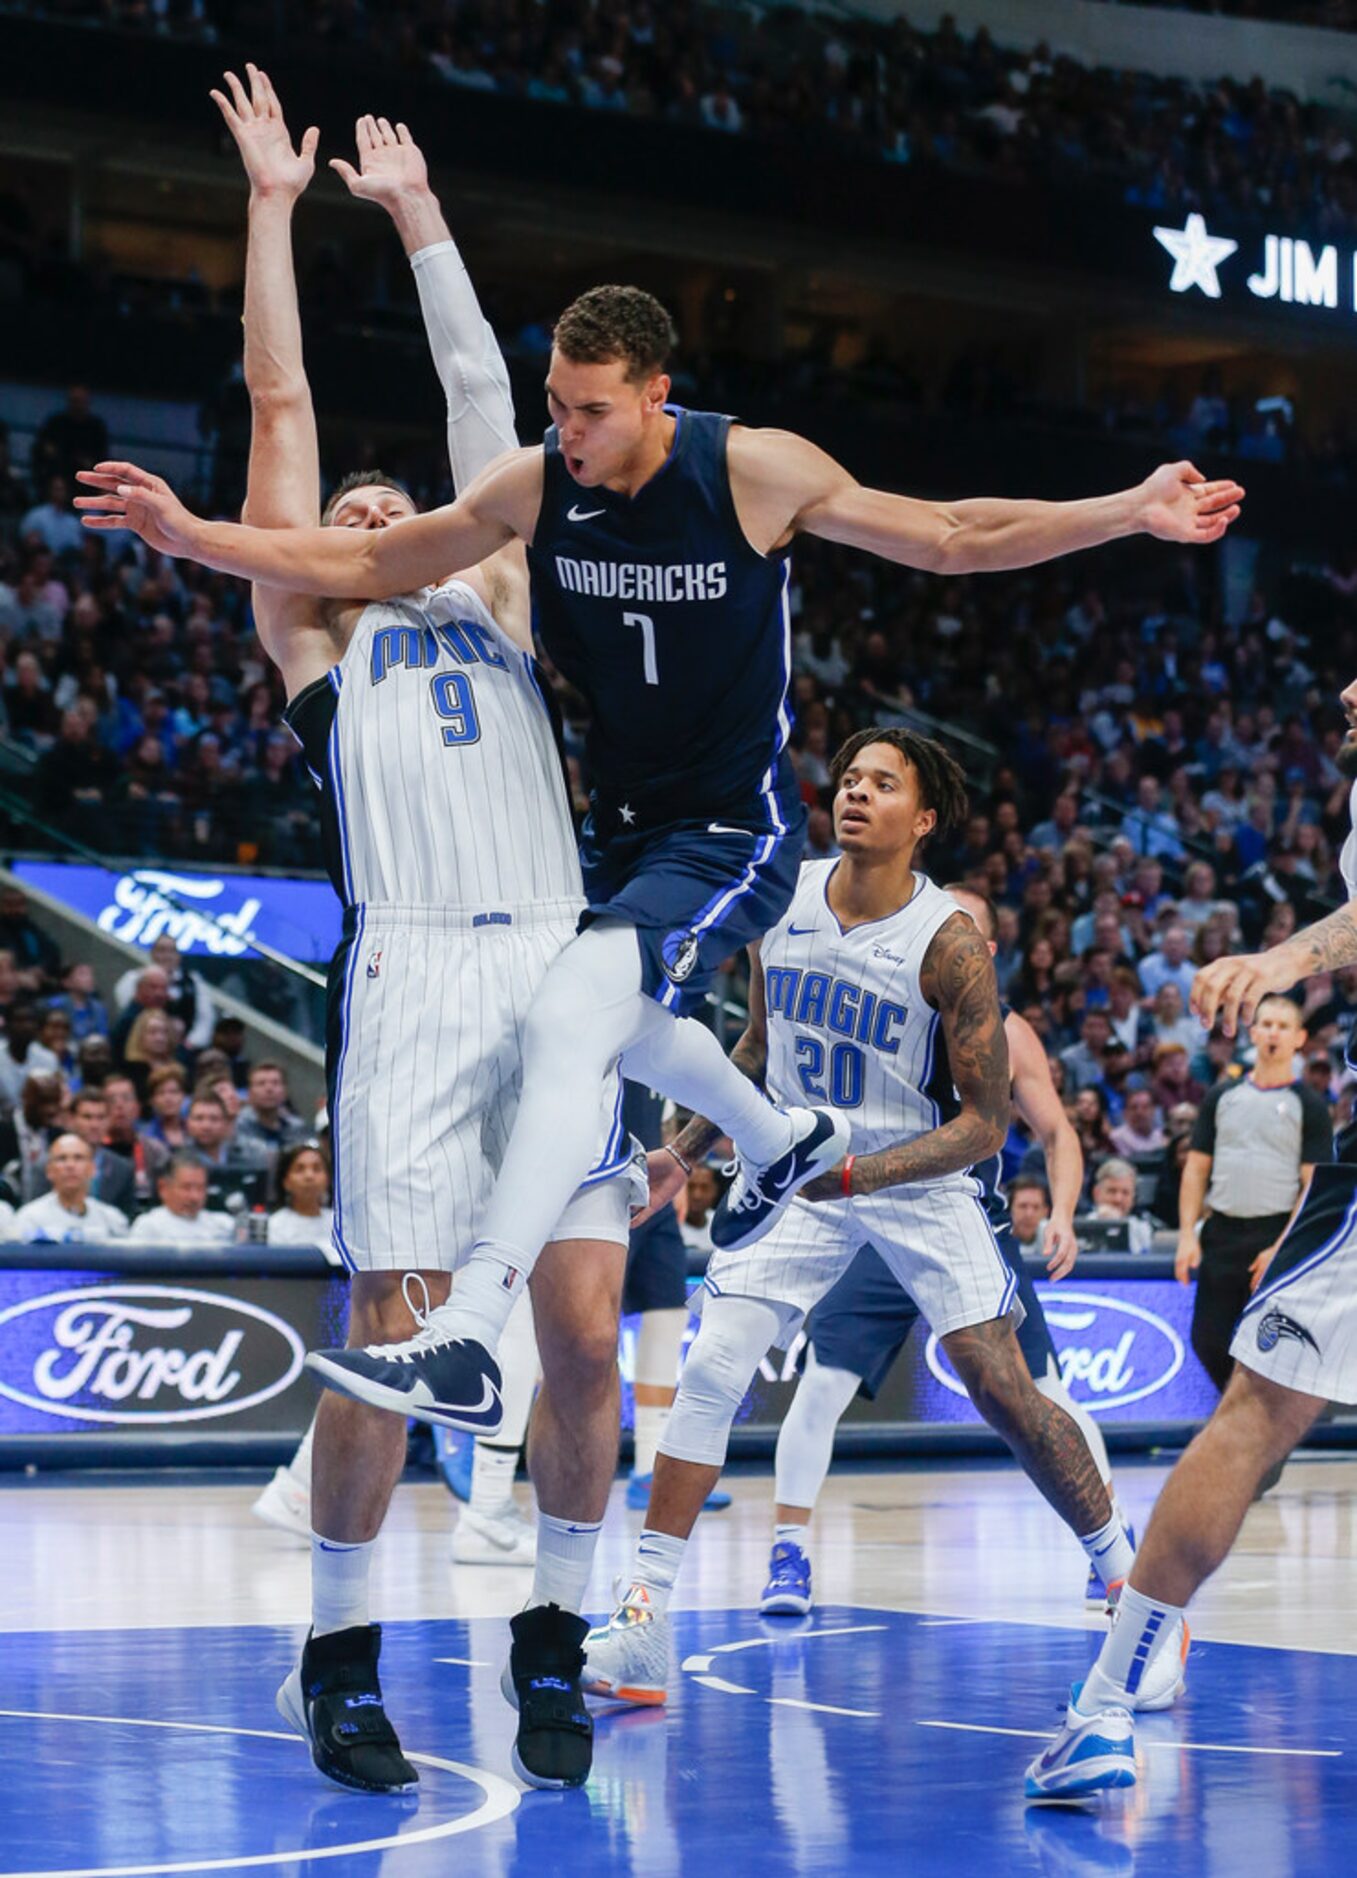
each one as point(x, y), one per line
point(681, 965)
point(375, 964)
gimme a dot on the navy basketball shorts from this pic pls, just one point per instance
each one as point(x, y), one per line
point(861, 1325)
point(1300, 1327)
point(657, 1267)
point(696, 892)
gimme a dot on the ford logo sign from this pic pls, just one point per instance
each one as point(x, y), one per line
point(1111, 1352)
point(144, 1354)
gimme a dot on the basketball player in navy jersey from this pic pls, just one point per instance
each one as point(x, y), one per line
point(658, 543)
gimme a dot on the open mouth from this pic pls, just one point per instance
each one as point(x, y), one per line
point(853, 818)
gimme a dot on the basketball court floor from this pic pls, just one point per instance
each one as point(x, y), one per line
point(149, 1624)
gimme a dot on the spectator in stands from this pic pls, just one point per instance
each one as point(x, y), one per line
point(1200, 901)
point(1139, 1135)
point(21, 1054)
point(74, 779)
point(1089, 1116)
point(1114, 1190)
point(181, 1218)
point(150, 992)
point(28, 1132)
point(81, 1002)
point(53, 522)
point(124, 1137)
point(166, 1094)
point(150, 1046)
point(212, 1135)
point(35, 957)
point(1085, 1061)
point(188, 997)
point(114, 1180)
point(68, 1214)
point(1173, 1023)
point(1172, 1081)
point(267, 1121)
point(1319, 1076)
point(72, 439)
point(228, 1039)
point(702, 1192)
point(94, 1062)
point(1170, 965)
point(1127, 1021)
point(305, 1217)
point(1029, 1207)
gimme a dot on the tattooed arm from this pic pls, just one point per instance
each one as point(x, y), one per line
point(958, 981)
point(1230, 989)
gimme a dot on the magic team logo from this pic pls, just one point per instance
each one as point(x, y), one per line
point(129, 1354)
point(1275, 1326)
point(680, 959)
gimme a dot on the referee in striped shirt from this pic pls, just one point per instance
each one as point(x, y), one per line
point(1255, 1144)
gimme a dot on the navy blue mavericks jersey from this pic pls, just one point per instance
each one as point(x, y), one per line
point(676, 632)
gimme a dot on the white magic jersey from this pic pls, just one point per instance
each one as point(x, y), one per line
point(847, 1022)
point(435, 752)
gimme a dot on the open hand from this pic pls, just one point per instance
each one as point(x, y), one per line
point(132, 498)
point(1180, 505)
point(390, 163)
point(1229, 991)
point(255, 120)
point(1061, 1248)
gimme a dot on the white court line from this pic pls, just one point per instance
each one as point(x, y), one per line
point(1164, 1747)
point(824, 1708)
point(726, 1688)
point(501, 1798)
point(949, 1623)
point(801, 1636)
point(464, 1662)
point(692, 1664)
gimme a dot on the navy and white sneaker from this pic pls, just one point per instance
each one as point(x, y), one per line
point(433, 1377)
point(758, 1196)
point(333, 1699)
point(787, 1592)
point(1091, 1754)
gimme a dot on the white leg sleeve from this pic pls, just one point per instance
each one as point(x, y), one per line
point(736, 1334)
point(805, 1442)
point(520, 1370)
point(1053, 1388)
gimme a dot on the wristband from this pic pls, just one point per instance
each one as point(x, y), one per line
point(687, 1166)
point(846, 1177)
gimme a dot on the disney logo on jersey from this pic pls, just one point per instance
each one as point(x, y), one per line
point(141, 911)
point(157, 1354)
point(1111, 1352)
point(667, 581)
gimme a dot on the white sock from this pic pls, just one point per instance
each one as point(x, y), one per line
point(791, 1535)
point(805, 1441)
point(565, 1558)
point(339, 1584)
point(1142, 1625)
point(658, 1558)
point(493, 1468)
point(682, 1059)
point(646, 1436)
point(300, 1465)
point(1109, 1551)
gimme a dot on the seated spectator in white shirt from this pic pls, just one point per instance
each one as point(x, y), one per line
point(1170, 965)
point(21, 1055)
point(180, 1218)
point(1139, 1133)
point(67, 1215)
point(54, 522)
point(305, 1218)
point(1173, 1023)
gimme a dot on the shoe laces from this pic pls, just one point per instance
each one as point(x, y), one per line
point(429, 1334)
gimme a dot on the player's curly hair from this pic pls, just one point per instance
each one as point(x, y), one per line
point(362, 479)
point(610, 323)
point(942, 785)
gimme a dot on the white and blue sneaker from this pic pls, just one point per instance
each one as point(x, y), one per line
point(758, 1196)
point(787, 1592)
point(1091, 1754)
point(432, 1377)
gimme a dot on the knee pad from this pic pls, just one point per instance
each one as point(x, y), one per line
point(735, 1335)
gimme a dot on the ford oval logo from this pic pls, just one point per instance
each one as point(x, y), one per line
point(144, 1353)
point(1111, 1352)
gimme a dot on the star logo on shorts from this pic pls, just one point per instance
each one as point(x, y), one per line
point(628, 814)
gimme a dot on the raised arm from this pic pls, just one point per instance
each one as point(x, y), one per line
point(784, 485)
point(342, 563)
point(1230, 990)
point(1036, 1100)
point(392, 172)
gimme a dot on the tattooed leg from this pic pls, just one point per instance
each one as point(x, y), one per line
point(1045, 1440)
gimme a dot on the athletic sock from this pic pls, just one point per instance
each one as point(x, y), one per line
point(1142, 1626)
point(658, 1558)
point(646, 1436)
point(492, 1477)
point(339, 1584)
point(1109, 1551)
point(487, 1289)
point(791, 1535)
point(565, 1558)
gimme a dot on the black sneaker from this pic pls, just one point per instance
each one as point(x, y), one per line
point(758, 1196)
point(555, 1742)
point(333, 1699)
point(449, 1381)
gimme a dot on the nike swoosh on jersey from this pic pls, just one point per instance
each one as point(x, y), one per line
point(573, 514)
point(799, 932)
point(724, 828)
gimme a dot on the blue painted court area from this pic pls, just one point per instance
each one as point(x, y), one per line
point(860, 1741)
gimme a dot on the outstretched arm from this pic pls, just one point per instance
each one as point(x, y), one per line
point(958, 980)
point(1034, 1096)
point(784, 485)
point(1230, 990)
point(392, 172)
